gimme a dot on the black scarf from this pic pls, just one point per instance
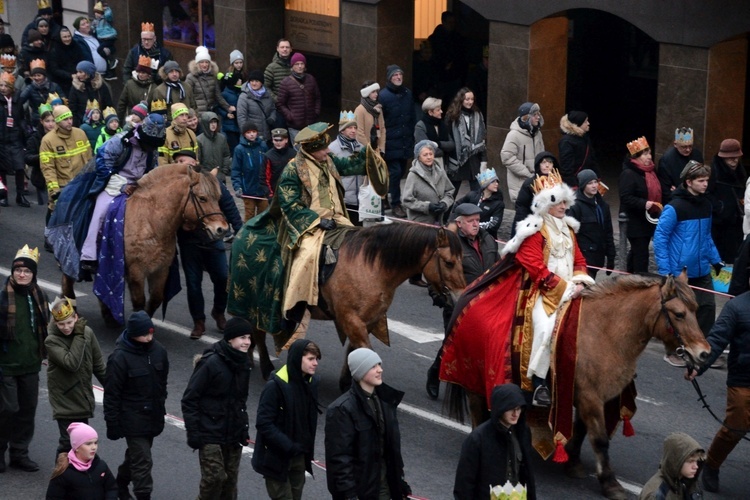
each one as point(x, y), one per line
point(441, 134)
point(396, 89)
point(299, 77)
point(174, 85)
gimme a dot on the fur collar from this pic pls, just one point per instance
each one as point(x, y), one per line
point(568, 127)
point(96, 82)
point(530, 226)
point(195, 70)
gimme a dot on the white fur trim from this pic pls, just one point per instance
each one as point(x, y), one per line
point(369, 90)
point(572, 223)
point(543, 200)
point(524, 228)
point(584, 279)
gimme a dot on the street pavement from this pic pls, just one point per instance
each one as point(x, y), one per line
point(430, 442)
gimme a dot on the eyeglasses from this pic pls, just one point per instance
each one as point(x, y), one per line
point(22, 270)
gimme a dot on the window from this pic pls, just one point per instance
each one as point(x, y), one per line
point(190, 22)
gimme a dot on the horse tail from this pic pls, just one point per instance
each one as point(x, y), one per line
point(455, 402)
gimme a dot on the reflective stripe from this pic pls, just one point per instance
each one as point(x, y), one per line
point(52, 185)
point(46, 156)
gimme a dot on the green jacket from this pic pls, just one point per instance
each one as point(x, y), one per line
point(72, 360)
point(668, 483)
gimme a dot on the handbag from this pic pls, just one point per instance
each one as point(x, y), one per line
point(369, 202)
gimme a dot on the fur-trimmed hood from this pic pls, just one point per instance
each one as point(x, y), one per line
point(96, 82)
point(568, 127)
point(530, 226)
point(163, 74)
point(195, 70)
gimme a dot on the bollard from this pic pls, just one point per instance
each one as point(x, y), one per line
point(622, 219)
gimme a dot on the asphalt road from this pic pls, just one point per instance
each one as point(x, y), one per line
point(430, 442)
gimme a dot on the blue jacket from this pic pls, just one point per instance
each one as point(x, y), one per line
point(112, 157)
point(247, 163)
point(398, 113)
point(683, 236)
point(231, 96)
point(103, 27)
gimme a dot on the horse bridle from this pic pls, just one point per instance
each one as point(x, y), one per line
point(680, 351)
point(199, 212)
point(444, 290)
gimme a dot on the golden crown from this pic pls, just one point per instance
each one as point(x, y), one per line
point(147, 27)
point(158, 105)
point(28, 253)
point(8, 61)
point(92, 104)
point(109, 111)
point(98, 7)
point(38, 63)
point(53, 96)
point(144, 61)
point(43, 4)
point(543, 182)
point(638, 145)
point(61, 308)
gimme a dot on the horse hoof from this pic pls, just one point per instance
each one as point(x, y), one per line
point(575, 470)
point(614, 491)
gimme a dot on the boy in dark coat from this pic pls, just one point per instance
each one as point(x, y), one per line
point(214, 406)
point(362, 435)
point(135, 391)
point(497, 451)
point(286, 421)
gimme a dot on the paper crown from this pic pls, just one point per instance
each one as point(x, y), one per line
point(147, 62)
point(485, 178)
point(92, 104)
point(683, 136)
point(8, 61)
point(37, 63)
point(638, 145)
point(44, 107)
point(109, 111)
point(27, 253)
point(43, 4)
point(159, 106)
point(53, 99)
point(147, 27)
point(346, 117)
point(98, 7)
point(542, 182)
point(61, 308)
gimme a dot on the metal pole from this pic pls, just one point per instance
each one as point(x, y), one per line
point(622, 219)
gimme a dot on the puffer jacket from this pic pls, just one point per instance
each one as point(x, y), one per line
point(576, 152)
point(205, 88)
point(35, 95)
point(214, 404)
point(160, 93)
point(683, 236)
point(72, 360)
point(82, 92)
point(135, 91)
point(424, 187)
point(247, 162)
point(595, 238)
point(398, 115)
point(299, 101)
point(260, 111)
point(668, 483)
point(62, 63)
point(275, 72)
point(518, 153)
point(213, 149)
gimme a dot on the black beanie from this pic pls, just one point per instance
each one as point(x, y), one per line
point(255, 74)
point(577, 117)
point(139, 324)
point(237, 327)
point(249, 126)
point(25, 262)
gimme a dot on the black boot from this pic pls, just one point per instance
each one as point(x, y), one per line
point(21, 201)
point(123, 493)
point(433, 376)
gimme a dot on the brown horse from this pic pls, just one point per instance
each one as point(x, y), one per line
point(617, 319)
point(167, 198)
point(372, 263)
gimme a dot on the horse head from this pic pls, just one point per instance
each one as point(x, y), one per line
point(202, 209)
point(679, 327)
point(444, 270)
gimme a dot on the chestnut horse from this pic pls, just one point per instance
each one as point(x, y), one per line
point(618, 317)
point(372, 263)
point(167, 198)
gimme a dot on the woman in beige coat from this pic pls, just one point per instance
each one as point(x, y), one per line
point(523, 142)
point(369, 117)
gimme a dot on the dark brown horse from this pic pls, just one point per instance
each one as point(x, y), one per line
point(372, 263)
point(617, 319)
point(167, 198)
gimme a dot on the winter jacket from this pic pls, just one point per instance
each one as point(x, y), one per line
point(160, 93)
point(595, 237)
point(633, 198)
point(90, 46)
point(103, 26)
point(488, 451)
point(425, 130)
point(247, 163)
point(398, 115)
point(726, 190)
point(92, 131)
point(104, 135)
point(732, 328)
point(62, 63)
point(683, 236)
point(471, 147)
point(474, 266)
point(214, 404)
point(576, 152)
point(353, 454)
point(205, 88)
point(670, 168)
point(62, 155)
point(12, 135)
point(299, 101)
point(213, 150)
point(668, 483)
point(131, 60)
point(134, 92)
point(351, 183)
point(31, 158)
point(261, 111)
point(276, 441)
point(96, 483)
point(519, 151)
point(525, 195)
point(34, 95)
point(72, 360)
point(365, 124)
point(231, 94)
point(492, 210)
point(423, 187)
point(82, 92)
point(177, 139)
point(135, 388)
point(28, 54)
point(274, 74)
point(276, 160)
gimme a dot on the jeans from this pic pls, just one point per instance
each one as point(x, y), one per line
point(195, 260)
point(17, 413)
point(396, 169)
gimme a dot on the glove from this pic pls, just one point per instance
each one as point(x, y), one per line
point(113, 432)
point(327, 224)
point(482, 166)
point(194, 442)
point(238, 193)
point(435, 208)
point(717, 267)
point(53, 193)
point(438, 299)
point(443, 207)
point(405, 488)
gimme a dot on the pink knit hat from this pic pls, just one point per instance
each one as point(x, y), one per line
point(80, 433)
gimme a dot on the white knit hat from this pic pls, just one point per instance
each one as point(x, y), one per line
point(235, 55)
point(201, 54)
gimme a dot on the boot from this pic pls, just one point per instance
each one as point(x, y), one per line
point(143, 496)
point(433, 382)
point(123, 493)
point(221, 321)
point(710, 478)
point(21, 201)
point(199, 328)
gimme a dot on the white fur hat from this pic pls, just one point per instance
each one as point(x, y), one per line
point(550, 196)
point(201, 54)
point(364, 92)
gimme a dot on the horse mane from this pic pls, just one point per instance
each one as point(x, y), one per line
point(160, 175)
point(398, 245)
point(633, 282)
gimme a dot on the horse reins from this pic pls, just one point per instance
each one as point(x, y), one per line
point(444, 291)
point(199, 212)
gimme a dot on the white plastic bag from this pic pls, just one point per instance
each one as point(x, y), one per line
point(369, 202)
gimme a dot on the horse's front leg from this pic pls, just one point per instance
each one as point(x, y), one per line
point(355, 329)
point(67, 287)
point(591, 413)
point(137, 285)
point(156, 284)
point(574, 467)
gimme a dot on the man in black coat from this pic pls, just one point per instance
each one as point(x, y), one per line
point(498, 450)
point(11, 138)
point(135, 392)
point(726, 190)
point(674, 161)
point(362, 435)
point(287, 422)
point(214, 407)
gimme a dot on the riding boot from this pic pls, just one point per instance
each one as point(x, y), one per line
point(433, 377)
point(221, 321)
point(199, 328)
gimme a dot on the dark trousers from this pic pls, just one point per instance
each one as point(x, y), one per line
point(727, 238)
point(63, 445)
point(137, 465)
point(396, 170)
point(737, 417)
point(107, 44)
point(20, 178)
point(214, 261)
point(291, 489)
point(220, 465)
point(706, 312)
point(18, 400)
point(638, 255)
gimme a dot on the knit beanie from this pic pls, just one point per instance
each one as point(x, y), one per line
point(33, 36)
point(577, 117)
point(392, 70)
point(26, 257)
point(170, 66)
point(80, 433)
point(525, 109)
point(61, 113)
point(297, 57)
point(361, 361)
point(255, 74)
point(585, 176)
point(109, 115)
point(6, 41)
point(235, 55)
point(87, 67)
point(237, 327)
point(201, 54)
point(139, 324)
point(153, 130)
point(140, 109)
point(249, 126)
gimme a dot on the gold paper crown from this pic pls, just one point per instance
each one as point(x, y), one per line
point(158, 106)
point(147, 27)
point(109, 111)
point(98, 7)
point(37, 63)
point(53, 96)
point(28, 253)
point(92, 104)
point(144, 61)
point(8, 61)
point(43, 4)
point(543, 182)
point(61, 309)
point(638, 145)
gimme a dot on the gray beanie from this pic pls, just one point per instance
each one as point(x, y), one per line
point(392, 70)
point(171, 65)
point(361, 361)
point(586, 176)
point(235, 55)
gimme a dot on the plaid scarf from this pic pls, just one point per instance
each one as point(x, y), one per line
point(37, 299)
